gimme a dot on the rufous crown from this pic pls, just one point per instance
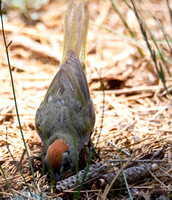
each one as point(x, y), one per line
point(55, 152)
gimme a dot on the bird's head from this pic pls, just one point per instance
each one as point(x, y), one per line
point(58, 158)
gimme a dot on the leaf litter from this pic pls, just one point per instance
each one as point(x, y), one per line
point(137, 111)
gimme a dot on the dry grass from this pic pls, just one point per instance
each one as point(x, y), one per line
point(138, 112)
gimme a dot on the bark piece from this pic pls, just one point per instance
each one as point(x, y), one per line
point(95, 170)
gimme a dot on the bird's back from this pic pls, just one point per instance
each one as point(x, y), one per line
point(67, 104)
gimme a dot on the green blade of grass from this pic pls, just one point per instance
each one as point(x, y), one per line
point(6, 180)
point(159, 49)
point(130, 40)
point(16, 163)
point(126, 25)
point(152, 51)
point(76, 195)
point(123, 19)
point(125, 180)
point(169, 10)
point(161, 54)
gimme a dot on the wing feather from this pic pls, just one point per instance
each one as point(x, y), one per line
point(70, 75)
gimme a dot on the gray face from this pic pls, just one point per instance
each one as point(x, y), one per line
point(65, 169)
point(65, 164)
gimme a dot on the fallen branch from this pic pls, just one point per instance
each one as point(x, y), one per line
point(98, 170)
point(95, 170)
point(133, 175)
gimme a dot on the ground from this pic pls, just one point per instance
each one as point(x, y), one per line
point(133, 110)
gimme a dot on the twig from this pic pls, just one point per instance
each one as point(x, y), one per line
point(166, 173)
point(158, 180)
point(120, 149)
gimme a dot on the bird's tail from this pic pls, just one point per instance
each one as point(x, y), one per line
point(76, 29)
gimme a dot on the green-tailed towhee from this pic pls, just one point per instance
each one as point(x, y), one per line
point(66, 117)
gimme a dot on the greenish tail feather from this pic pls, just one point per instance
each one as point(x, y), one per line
point(76, 29)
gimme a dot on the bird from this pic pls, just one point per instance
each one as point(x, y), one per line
point(65, 118)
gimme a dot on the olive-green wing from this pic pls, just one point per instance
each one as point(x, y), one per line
point(70, 75)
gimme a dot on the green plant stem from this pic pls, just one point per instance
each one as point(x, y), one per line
point(126, 25)
point(76, 195)
point(103, 111)
point(6, 180)
point(122, 18)
point(160, 51)
point(130, 40)
point(161, 55)
point(125, 180)
point(165, 35)
point(17, 164)
point(13, 89)
point(169, 10)
point(152, 51)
